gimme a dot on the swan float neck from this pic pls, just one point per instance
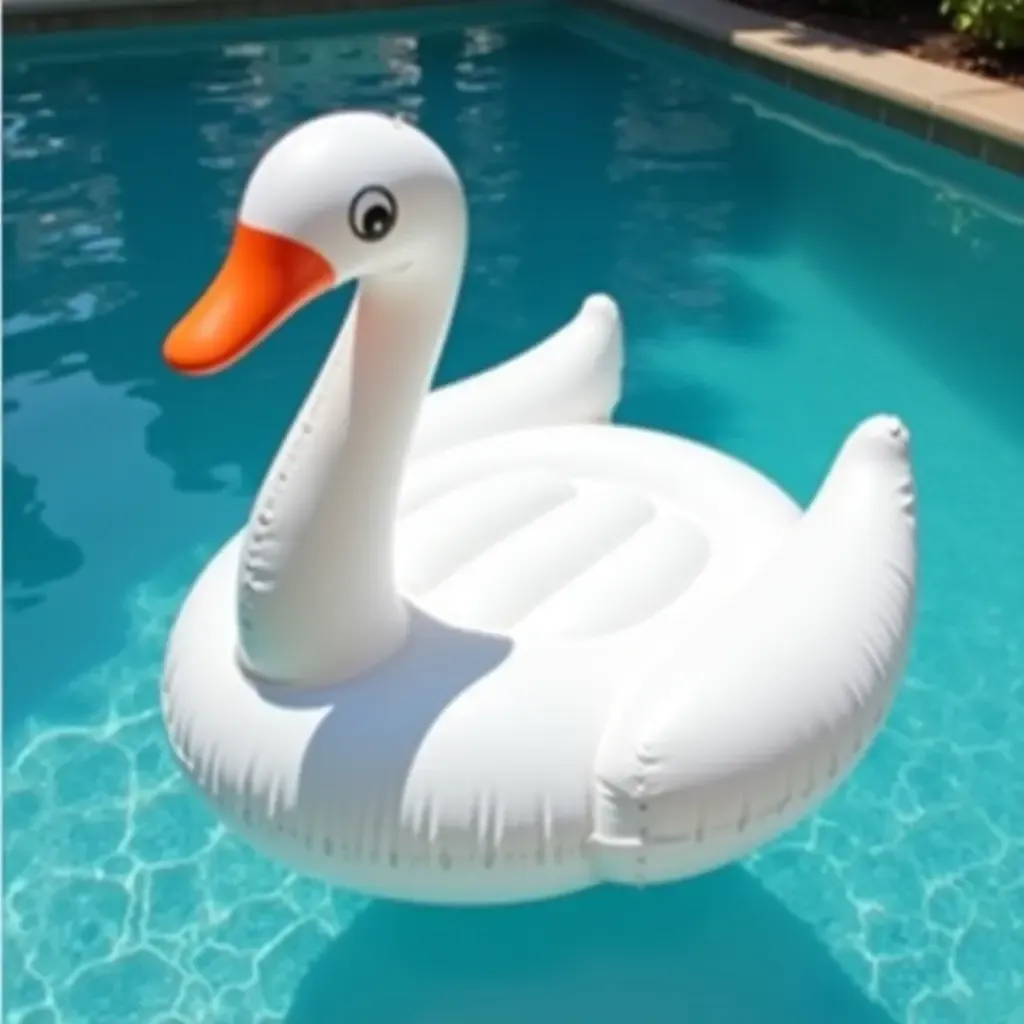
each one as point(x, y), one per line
point(317, 598)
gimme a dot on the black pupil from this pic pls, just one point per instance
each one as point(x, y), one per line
point(376, 220)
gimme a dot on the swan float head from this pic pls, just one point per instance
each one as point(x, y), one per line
point(344, 196)
point(349, 195)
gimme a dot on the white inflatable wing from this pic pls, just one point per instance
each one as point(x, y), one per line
point(761, 717)
point(573, 376)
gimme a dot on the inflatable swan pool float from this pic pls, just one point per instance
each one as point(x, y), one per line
point(485, 646)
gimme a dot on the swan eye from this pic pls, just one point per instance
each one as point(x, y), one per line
point(373, 213)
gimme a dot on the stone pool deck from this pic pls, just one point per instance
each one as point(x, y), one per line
point(978, 117)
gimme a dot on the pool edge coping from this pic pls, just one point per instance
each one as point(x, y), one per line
point(977, 117)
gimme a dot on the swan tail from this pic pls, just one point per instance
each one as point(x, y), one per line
point(766, 711)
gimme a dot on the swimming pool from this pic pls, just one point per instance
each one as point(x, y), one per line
point(783, 269)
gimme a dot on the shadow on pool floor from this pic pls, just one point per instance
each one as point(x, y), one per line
point(716, 950)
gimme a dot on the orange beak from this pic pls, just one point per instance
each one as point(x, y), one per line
point(264, 279)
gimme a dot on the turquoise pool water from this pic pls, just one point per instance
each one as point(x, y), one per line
point(783, 269)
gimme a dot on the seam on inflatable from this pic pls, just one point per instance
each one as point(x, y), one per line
point(816, 784)
point(260, 529)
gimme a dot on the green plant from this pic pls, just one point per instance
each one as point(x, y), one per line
point(1000, 22)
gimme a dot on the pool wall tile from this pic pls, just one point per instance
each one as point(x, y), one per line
point(28, 18)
